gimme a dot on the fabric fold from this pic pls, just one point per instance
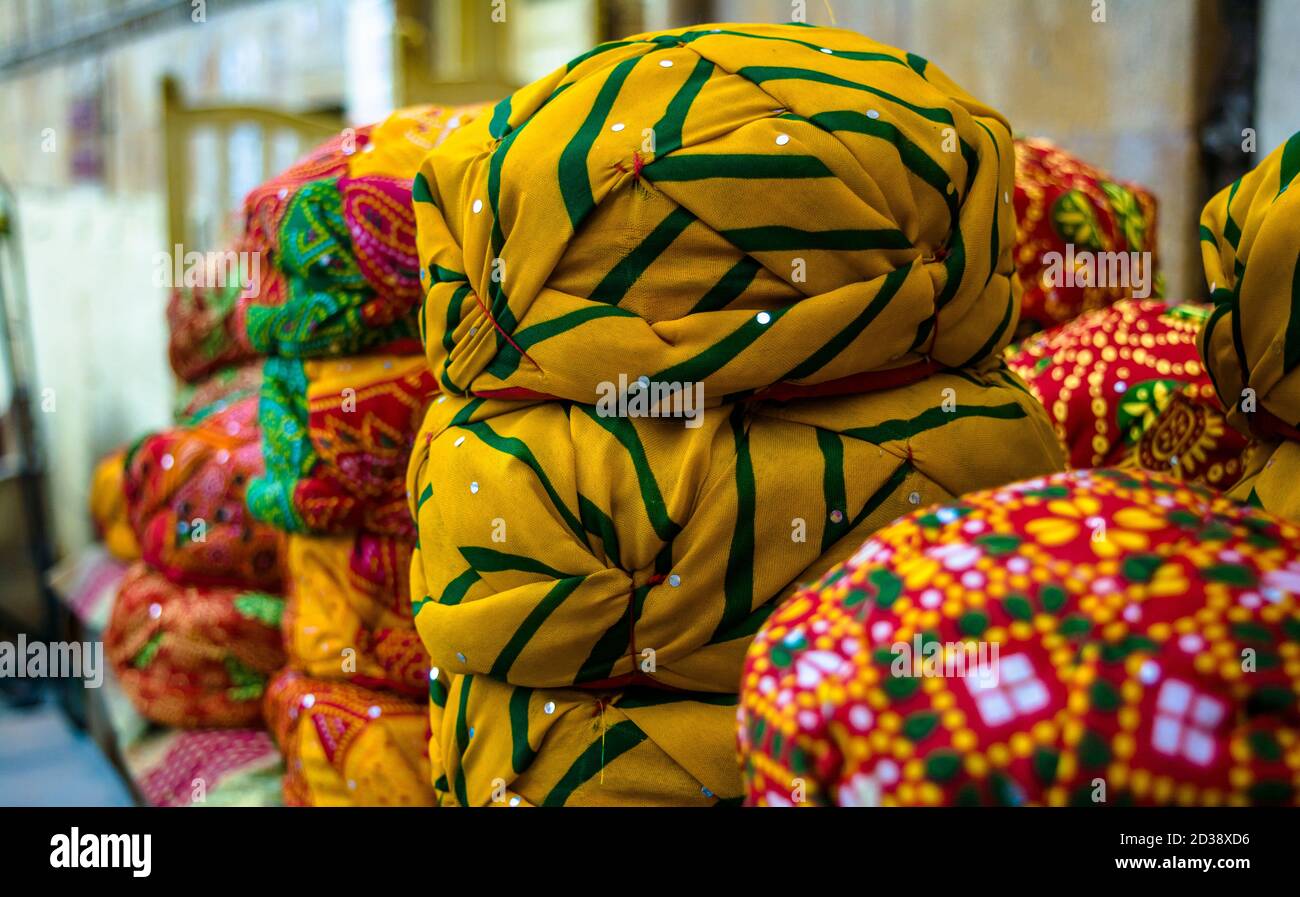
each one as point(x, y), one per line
point(1251, 343)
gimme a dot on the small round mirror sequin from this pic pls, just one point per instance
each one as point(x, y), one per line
point(549, 707)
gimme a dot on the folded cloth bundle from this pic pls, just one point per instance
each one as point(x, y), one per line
point(345, 745)
point(348, 614)
point(1028, 645)
point(559, 547)
point(501, 745)
point(195, 401)
point(1251, 343)
point(193, 656)
point(108, 507)
point(1067, 207)
point(570, 536)
point(185, 499)
point(326, 264)
point(1125, 385)
point(336, 436)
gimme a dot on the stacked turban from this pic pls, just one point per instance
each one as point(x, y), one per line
point(194, 631)
point(646, 231)
point(185, 499)
point(1090, 638)
point(1066, 207)
point(1125, 385)
point(341, 396)
point(1250, 244)
point(326, 261)
point(193, 656)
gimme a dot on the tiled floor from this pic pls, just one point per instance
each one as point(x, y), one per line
point(45, 762)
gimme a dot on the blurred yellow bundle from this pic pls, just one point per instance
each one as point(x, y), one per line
point(108, 507)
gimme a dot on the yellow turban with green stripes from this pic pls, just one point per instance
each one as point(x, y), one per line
point(562, 547)
point(499, 745)
point(805, 233)
point(744, 204)
point(1250, 243)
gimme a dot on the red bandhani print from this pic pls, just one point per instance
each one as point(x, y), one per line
point(193, 657)
point(1125, 385)
point(1066, 206)
point(185, 500)
point(1094, 637)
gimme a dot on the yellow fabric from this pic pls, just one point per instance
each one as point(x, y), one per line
point(400, 142)
point(1250, 244)
point(738, 213)
point(345, 745)
point(108, 507)
point(727, 203)
point(347, 617)
point(540, 526)
point(498, 745)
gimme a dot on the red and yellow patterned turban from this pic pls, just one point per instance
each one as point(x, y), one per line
point(185, 497)
point(1125, 385)
point(345, 745)
point(336, 437)
point(329, 254)
point(1092, 637)
point(1060, 201)
point(1251, 343)
point(193, 656)
point(108, 507)
point(348, 614)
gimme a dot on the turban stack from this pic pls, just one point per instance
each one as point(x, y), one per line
point(1090, 638)
point(1067, 211)
point(1124, 385)
point(707, 307)
point(342, 389)
point(326, 262)
point(193, 656)
point(1250, 244)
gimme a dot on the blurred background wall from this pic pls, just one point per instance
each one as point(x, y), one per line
point(1159, 92)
